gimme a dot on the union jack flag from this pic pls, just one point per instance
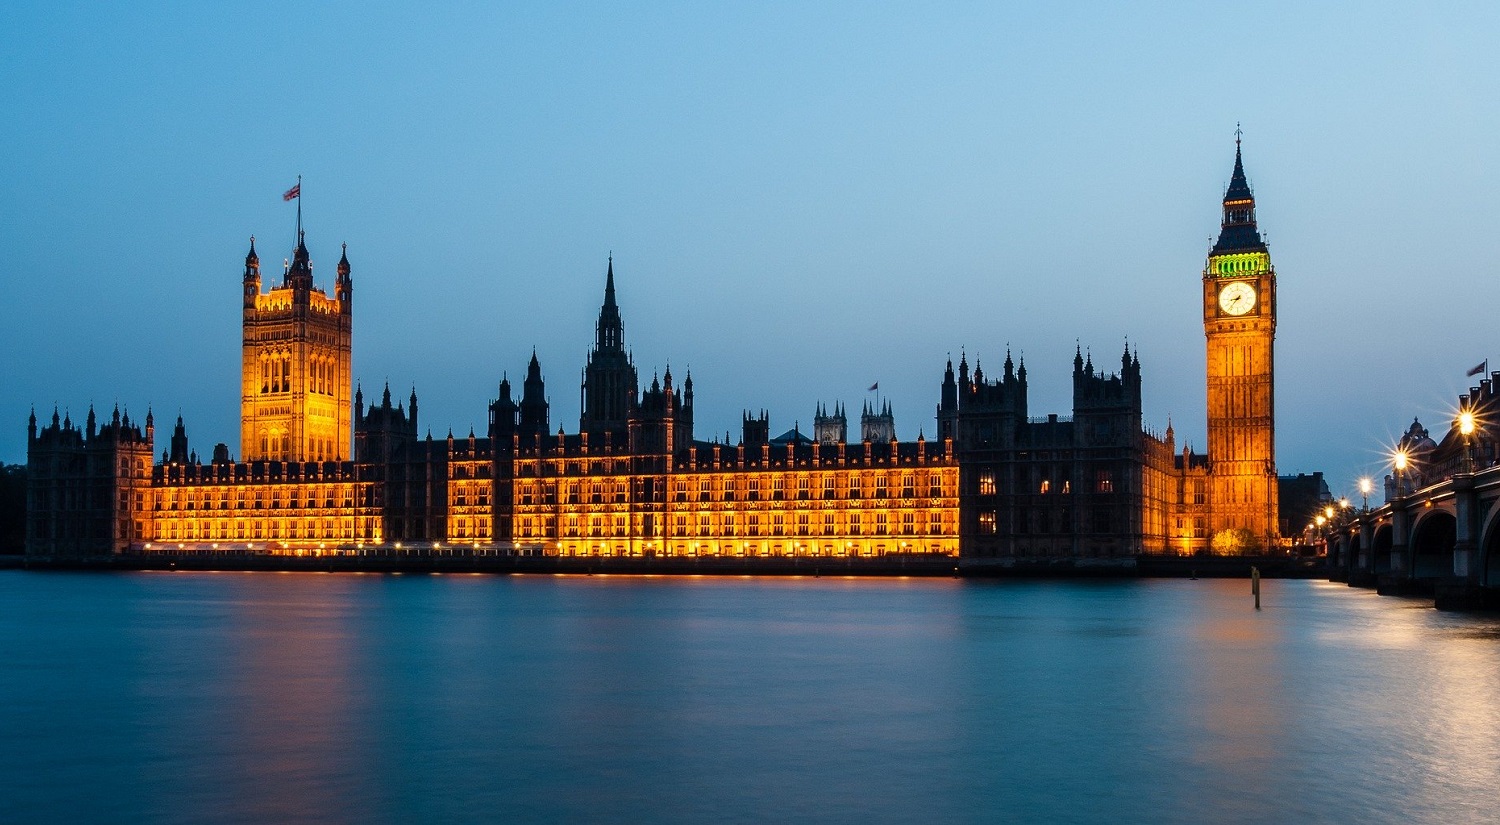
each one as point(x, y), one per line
point(293, 193)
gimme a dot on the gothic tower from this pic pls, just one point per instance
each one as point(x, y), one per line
point(534, 406)
point(877, 424)
point(1239, 321)
point(609, 380)
point(830, 429)
point(295, 367)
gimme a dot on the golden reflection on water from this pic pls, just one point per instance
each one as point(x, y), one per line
point(1236, 672)
point(296, 721)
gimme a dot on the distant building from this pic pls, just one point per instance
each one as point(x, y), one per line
point(1300, 498)
point(89, 489)
point(321, 474)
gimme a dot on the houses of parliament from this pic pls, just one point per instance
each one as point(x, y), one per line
point(326, 470)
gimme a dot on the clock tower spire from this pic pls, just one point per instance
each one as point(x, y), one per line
point(1239, 322)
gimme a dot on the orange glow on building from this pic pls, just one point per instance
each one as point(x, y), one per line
point(780, 500)
point(321, 472)
point(279, 507)
point(295, 366)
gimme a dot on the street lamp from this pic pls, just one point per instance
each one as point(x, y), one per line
point(1399, 462)
point(1466, 428)
point(1365, 486)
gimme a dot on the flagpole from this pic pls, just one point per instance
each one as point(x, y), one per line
point(299, 209)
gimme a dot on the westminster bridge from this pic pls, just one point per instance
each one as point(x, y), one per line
point(1441, 539)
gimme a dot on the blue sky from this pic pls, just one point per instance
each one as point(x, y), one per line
point(802, 199)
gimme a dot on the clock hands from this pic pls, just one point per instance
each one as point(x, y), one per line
point(1237, 299)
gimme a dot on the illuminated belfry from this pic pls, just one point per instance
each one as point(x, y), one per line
point(295, 367)
point(1239, 323)
point(609, 380)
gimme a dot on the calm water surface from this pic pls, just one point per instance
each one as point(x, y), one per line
point(277, 697)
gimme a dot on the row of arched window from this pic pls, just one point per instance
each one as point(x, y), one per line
point(276, 374)
point(277, 446)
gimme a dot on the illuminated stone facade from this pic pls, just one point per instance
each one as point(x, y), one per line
point(295, 371)
point(271, 505)
point(784, 497)
point(995, 483)
point(1239, 323)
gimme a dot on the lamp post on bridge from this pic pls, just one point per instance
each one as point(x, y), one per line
point(1397, 564)
point(1466, 428)
point(1365, 486)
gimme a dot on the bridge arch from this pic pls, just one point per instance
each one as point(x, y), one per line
point(1338, 550)
point(1380, 548)
point(1489, 548)
point(1357, 558)
point(1433, 539)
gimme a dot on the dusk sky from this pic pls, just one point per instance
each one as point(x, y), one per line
point(801, 199)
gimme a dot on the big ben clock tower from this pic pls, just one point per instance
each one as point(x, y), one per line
point(1239, 321)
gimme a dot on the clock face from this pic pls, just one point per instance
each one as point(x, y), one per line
point(1237, 298)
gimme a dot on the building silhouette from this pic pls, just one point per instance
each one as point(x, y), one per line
point(320, 471)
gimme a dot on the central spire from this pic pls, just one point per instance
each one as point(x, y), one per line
point(610, 333)
point(299, 274)
point(609, 391)
point(1238, 232)
point(1239, 188)
point(609, 284)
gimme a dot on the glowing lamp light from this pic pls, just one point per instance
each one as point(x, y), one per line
point(1400, 461)
point(1365, 486)
point(1344, 503)
point(1321, 521)
point(1328, 511)
point(1466, 422)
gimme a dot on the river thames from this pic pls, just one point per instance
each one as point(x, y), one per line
point(255, 697)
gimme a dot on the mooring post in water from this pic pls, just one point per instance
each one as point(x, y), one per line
point(1255, 585)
